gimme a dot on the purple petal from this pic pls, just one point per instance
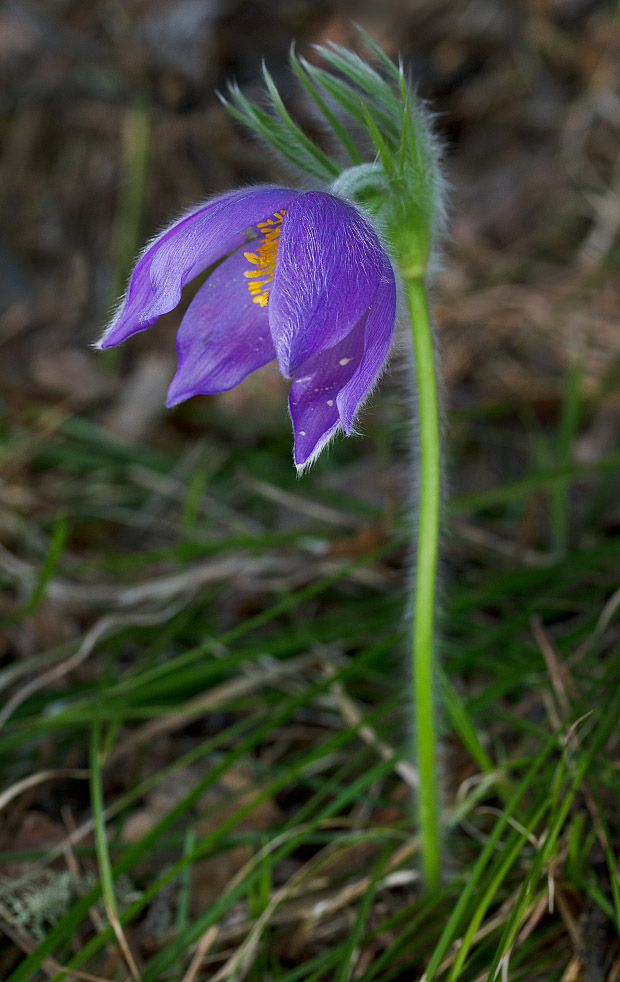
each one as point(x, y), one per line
point(328, 265)
point(191, 244)
point(378, 334)
point(224, 335)
point(313, 397)
point(332, 384)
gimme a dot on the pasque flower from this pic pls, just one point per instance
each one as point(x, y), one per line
point(302, 277)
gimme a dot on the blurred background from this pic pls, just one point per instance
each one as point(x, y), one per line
point(110, 125)
point(129, 534)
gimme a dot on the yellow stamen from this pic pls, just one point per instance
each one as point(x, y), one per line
point(264, 259)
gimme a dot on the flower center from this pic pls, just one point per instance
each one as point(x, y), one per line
point(264, 259)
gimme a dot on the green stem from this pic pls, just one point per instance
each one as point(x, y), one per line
point(425, 583)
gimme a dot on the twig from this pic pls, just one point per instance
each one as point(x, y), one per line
point(104, 626)
point(38, 778)
point(353, 717)
point(50, 966)
point(205, 943)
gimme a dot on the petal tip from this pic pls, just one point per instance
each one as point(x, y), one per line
point(176, 394)
point(104, 340)
point(104, 343)
point(304, 460)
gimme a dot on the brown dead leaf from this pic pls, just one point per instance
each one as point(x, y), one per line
point(363, 541)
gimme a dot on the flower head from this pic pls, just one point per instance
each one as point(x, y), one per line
point(302, 277)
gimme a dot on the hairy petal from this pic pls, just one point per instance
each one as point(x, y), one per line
point(331, 385)
point(378, 334)
point(223, 336)
point(327, 269)
point(186, 248)
point(313, 399)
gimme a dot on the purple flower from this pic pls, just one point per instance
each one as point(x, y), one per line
point(304, 279)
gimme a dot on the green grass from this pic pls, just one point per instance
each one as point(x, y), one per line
point(233, 683)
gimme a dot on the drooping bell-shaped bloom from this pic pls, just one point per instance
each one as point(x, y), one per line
point(304, 278)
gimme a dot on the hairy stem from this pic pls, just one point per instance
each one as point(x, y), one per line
point(423, 639)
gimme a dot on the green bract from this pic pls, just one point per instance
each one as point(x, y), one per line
point(402, 186)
